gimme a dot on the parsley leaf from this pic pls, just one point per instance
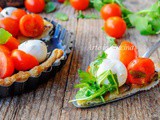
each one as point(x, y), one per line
point(62, 16)
point(89, 16)
point(49, 7)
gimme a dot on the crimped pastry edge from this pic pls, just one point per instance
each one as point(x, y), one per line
point(22, 76)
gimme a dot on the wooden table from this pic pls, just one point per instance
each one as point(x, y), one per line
point(50, 100)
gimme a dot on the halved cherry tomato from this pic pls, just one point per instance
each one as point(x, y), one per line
point(18, 14)
point(23, 61)
point(127, 52)
point(141, 71)
point(0, 9)
point(5, 50)
point(7, 66)
point(10, 24)
point(79, 4)
point(35, 6)
point(12, 43)
point(31, 25)
point(115, 27)
point(110, 10)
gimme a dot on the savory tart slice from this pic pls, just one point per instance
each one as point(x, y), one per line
point(115, 74)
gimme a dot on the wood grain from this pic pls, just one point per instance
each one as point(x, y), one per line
point(51, 100)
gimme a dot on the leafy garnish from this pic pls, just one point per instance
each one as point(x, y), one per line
point(94, 66)
point(88, 16)
point(147, 21)
point(4, 36)
point(66, 2)
point(93, 86)
point(111, 40)
point(137, 74)
point(62, 16)
point(50, 7)
point(96, 89)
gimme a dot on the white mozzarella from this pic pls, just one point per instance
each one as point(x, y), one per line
point(6, 12)
point(113, 52)
point(116, 67)
point(36, 48)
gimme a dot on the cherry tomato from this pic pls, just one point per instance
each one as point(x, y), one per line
point(35, 6)
point(80, 4)
point(127, 52)
point(12, 43)
point(115, 27)
point(23, 61)
point(1, 9)
point(7, 66)
point(61, 1)
point(5, 50)
point(31, 25)
point(110, 10)
point(10, 24)
point(141, 71)
point(18, 14)
point(88, 69)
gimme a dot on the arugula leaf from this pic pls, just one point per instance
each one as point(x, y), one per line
point(4, 36)
point(89, 16)
point(98, 4)
point(66, 2)
point(94, 66)
point(111, 40)
point(137, 74)
point(49, 7)
point(62, 16)
point(97, 89)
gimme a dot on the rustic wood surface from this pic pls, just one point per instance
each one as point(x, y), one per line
point(50, 100)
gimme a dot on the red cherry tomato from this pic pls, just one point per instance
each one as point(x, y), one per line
point(7, 66)
point(18, 14)
point(115, 27)
point(10, 24)
point(12, 43)
point(80, 4)
point(23, 61)
point(31, 25)
point(1, 9)
point(61, 1)
point(5, 50)
point(35, 6)
point(110, 10)
point(127, 52)
point(140, 71)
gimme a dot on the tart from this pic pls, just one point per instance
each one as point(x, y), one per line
point(33, 59)
point(115, 74)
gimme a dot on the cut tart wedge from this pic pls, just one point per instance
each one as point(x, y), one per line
point(110, 78)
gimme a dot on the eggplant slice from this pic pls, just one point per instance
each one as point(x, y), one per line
point(58, 38)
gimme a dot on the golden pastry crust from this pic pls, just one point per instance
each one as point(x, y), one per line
point(22, 76)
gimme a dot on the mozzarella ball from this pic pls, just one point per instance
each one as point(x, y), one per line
point(113, 52)
point(116, 67)
point(6, 12)
point(36, 48)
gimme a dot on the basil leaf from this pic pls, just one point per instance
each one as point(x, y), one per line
point(62, 16)
point(4, 36)
point(137, 74)
point(50, 7)
point(88, 16)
